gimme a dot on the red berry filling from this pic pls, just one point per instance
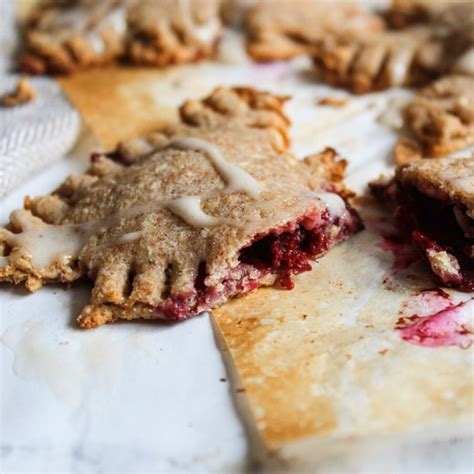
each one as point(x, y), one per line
point(283, 252)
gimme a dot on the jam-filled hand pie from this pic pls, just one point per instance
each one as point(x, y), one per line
point(179, 221)
point(440, 41)
point(434, 207)
point(61, 37)
point(282, 29)
point(380, 61)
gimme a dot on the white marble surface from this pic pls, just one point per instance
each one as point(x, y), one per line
point(145, 397)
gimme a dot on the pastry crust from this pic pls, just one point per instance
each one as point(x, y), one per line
point(122, 225)
point(282, 29)
point(62, 37)
point(403, 13)
point(442, 115)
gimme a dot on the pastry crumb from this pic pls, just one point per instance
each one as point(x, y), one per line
point(22, 94)
point(406, 151)
point(333, 101)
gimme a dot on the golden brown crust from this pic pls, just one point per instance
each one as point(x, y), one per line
point(403, 13)
point(283, 29)
point(406, 151)
point(442, 115)
point(139, 252)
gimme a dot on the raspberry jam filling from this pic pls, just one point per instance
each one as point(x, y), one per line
point(281, 253)
point(436, 232)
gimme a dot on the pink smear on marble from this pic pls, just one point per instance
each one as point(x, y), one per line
point(431, 319)
point(404, 253)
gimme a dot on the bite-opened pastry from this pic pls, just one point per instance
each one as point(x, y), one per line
point(283, 29)
point(380, 61)
point(434, 207)
point(177, 222)
point(441, 115)
point(62, 37)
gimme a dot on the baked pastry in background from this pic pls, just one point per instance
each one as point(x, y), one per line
point(440, 41)
point(170, 32)
point(434, 208)
point(380, 61)
point(61, 37)
point(177, 222)
point(282, 29)
point(441, 115)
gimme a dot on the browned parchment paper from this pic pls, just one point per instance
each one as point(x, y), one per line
point(320, 368)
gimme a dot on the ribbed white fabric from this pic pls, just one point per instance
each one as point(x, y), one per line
point(34, 134)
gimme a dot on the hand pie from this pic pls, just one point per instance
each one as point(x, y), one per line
point(380, 61)
point(170, 32)
point(443, 42)
point(61, 37)
point(177, 222)
point(434, 206)
point(442, 115)
point(282, 29)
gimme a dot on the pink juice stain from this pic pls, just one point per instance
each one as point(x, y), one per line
point(403, 252)
point(431, 319)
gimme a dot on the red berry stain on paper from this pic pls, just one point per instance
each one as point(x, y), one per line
point(431, 319)
point(403, 252)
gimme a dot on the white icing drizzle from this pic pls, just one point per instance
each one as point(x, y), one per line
point(189, 209)
point(334, 203)
point(50, 243)
point(129, 237)
point(3, 261)
point(97, 43)
point(465, 64)
point(237, 180)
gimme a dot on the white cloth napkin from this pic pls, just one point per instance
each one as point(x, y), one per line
point(34, 134)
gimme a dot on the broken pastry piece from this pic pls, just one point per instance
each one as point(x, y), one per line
point(434, 207)
point(283, 29)
point(178, 222)
point(380, 61)
point(62, 37)
point(441, 115)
